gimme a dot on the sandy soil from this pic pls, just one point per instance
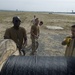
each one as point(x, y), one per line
point(49, 43)
point(49, 40)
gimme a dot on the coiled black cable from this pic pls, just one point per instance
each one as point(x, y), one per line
point(39, 65)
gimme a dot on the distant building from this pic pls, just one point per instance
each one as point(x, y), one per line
point(73, 12)
point(16, 9)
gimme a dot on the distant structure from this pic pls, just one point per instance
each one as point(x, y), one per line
point(16, 9)
point(72, 11)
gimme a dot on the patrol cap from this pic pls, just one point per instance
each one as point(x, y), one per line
point(16, 18)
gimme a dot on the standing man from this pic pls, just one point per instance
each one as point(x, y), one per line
point(70, 42)
point(16, 33)
point(33, 21)
point(35, 35)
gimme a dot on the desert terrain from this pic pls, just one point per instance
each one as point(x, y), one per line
point(50, 39)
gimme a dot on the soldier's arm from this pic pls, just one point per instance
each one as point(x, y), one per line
point(25, 37)
point(66, 41)
point(7, 34)
point(32, 29)
point(38, 32)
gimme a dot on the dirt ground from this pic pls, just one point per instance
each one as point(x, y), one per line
point(50, 42)
point(50, 39)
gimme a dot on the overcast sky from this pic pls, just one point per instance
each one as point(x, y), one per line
point(38, 5)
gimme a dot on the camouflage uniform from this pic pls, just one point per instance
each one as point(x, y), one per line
point(34, 32)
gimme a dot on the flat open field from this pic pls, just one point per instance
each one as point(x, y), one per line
point(50, 40)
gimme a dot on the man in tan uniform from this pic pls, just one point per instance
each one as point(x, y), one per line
point(33, 21)
point(70, 42)
point(34, 35)
point(16, 33)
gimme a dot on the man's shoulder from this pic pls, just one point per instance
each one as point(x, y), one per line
point(8, 29)
point(22, 29)
point(32, 26)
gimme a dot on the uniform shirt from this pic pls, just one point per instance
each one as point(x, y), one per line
point(33, 21)
point(16, 35)
point(34, 31)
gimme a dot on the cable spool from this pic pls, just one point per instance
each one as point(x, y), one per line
point(38, 65)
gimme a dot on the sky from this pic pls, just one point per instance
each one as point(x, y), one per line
point(38, 5)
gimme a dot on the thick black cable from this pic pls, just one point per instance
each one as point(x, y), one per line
point(39, 65)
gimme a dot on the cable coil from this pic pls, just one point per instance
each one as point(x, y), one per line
point(38, 65)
